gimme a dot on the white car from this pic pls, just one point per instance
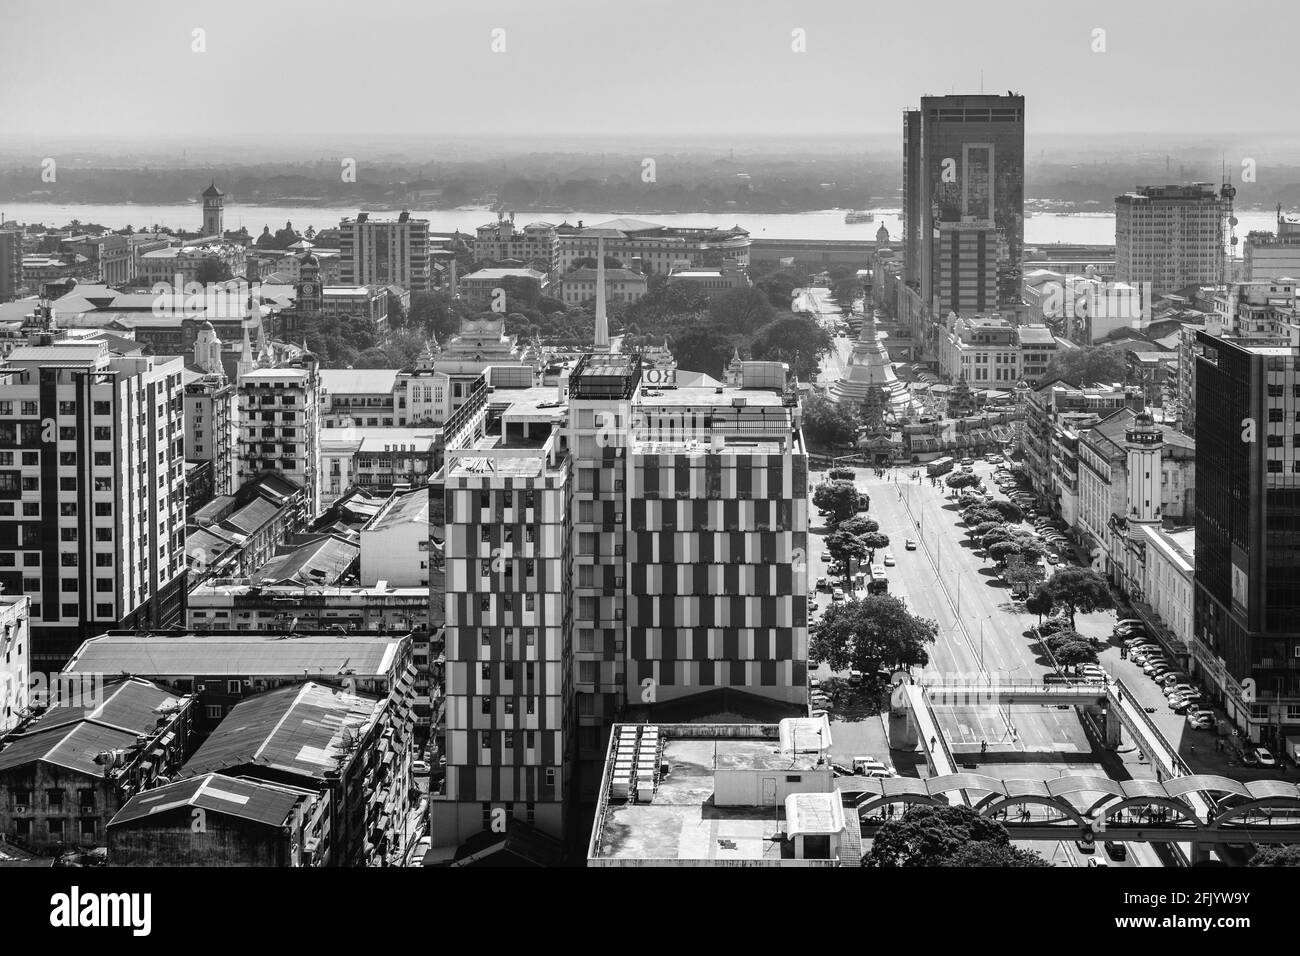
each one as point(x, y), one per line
point(889, 560)
point(422, 846)
point(1265, 757)
point(837, 595)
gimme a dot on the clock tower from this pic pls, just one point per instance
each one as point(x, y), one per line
point(310, 295)
point(213, 201)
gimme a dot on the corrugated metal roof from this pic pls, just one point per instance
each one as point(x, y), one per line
point(214, 793)
point(251, 654)
point(303, 730)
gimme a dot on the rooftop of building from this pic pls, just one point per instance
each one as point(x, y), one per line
point(273, 374)
point(1035, 335)
point(682, 821)
point(498, 274)
point(402, 508)
point(219, 589)
point(70, 734)
point(194, 653)
point(250, 800)
point(358, 381)
point(314, 563)
point(381, 438)
point(302, 730)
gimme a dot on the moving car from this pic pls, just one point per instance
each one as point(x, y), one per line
point(1086, 847)
point(968, 461)
point(421, 768)
point(1117, 851)
point(837, 595)
point(1096, 860)
point(1198, 722)
point(1265, 757)
point(1053, 559)
point(889, 560)
point(823, 584)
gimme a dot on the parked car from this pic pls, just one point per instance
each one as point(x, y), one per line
point(837, 595)
point(871, 767)
point(1096, 860)
point(889, 560)
point(968, 461)
point(422, 847)
point(421, 768)
point(1265, 757)
point(1250, 758)
point(823, 584)
point(1198, 722)
point(909, 544)
point(1052, 559)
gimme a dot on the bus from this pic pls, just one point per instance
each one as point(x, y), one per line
point(940, 466)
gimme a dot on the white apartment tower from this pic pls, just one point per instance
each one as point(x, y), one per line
point(1170, 236)
point(382, 252)
point(92, 490)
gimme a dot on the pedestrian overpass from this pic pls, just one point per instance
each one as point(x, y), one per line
point(1080, 806)
point(913, 722)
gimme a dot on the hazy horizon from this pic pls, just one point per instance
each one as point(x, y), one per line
point(337, 79)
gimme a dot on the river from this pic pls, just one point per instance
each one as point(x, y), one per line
point(1088, 228)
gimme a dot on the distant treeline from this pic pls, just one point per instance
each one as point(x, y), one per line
point(624, 182)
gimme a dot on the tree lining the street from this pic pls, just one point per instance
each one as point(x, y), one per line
point(858, 524)
point(874, 541)
point(826, 424)
point(875, 635)
point(1080, 589)
point(840, 499)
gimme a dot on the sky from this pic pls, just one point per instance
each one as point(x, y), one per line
point(338, 71)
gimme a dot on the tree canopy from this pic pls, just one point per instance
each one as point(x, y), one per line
point(797, 341)
point(1277, 856)
point(1105, 364)
point(840, 498)
point(826, 424)
point(1080, 589)
point(945, 836)
point(872, 634)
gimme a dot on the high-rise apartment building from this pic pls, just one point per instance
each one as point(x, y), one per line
point(1247, 614)
point(963, 197)
point(92, 490)
point(379, 252)
point(278, 411)
point(1171, 236)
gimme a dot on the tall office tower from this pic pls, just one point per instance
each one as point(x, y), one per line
point(509, 726)
point(11, 264)
point(1170, 236)
point(912, 223)
point(377, 252)
point(965, 268)
point(92, 514)
point(278, 411)
point(213, 202)
point(1247, 613)
point(601, 391)
point(964, 163)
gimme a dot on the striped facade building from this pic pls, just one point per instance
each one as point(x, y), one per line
point(632, 546)
point(717, 576)
point(509, 728)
